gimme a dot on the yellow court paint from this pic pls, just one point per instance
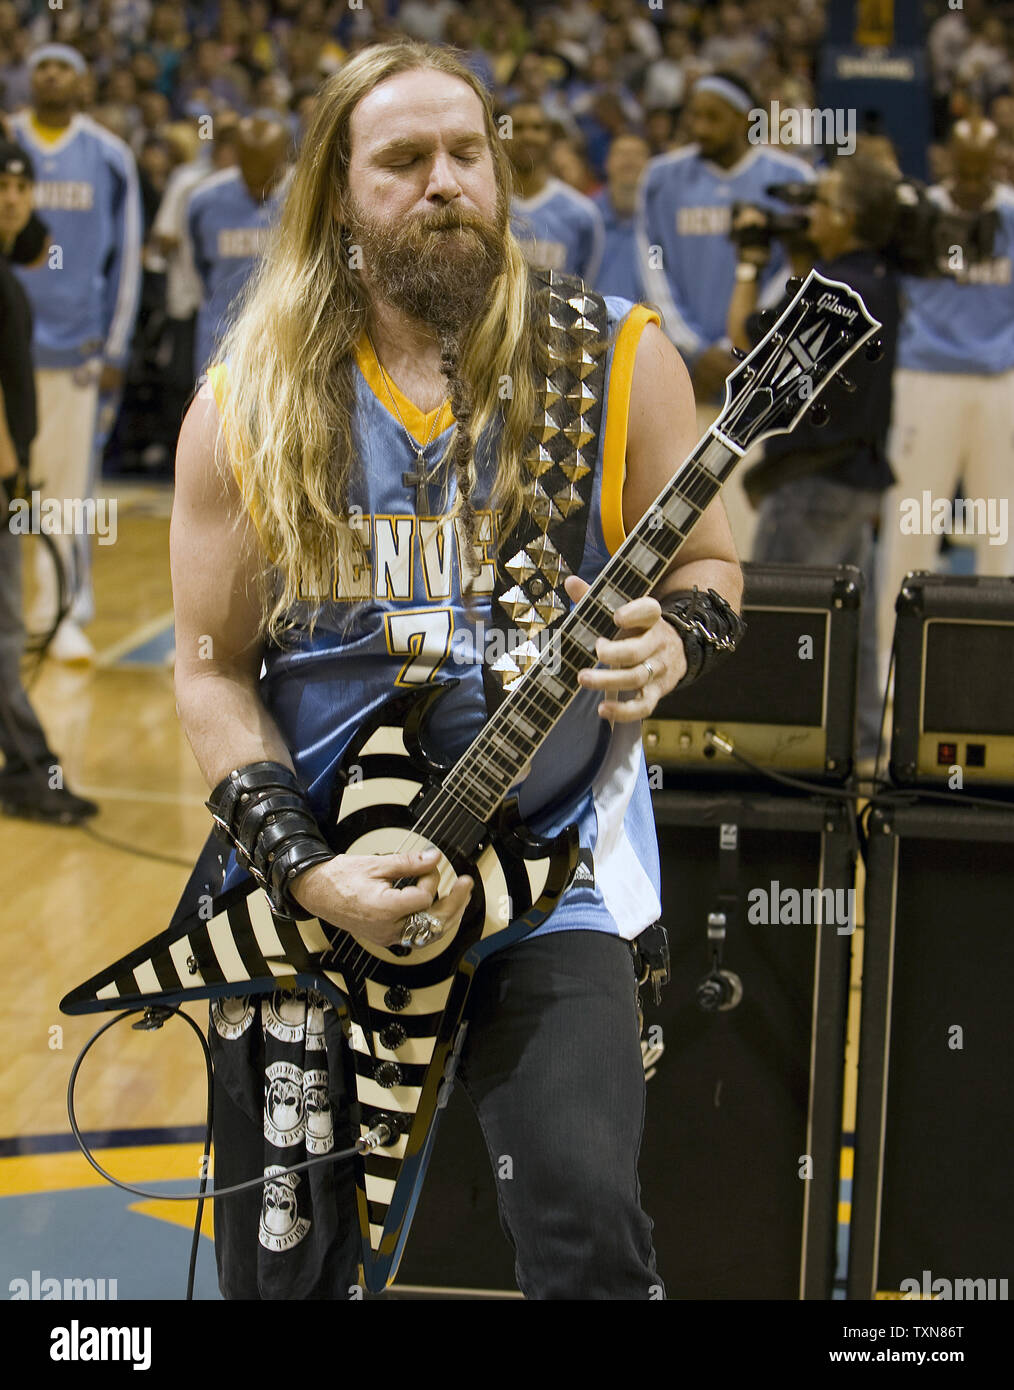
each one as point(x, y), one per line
point(27, 1173)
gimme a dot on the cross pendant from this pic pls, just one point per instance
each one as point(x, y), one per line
point(419, 481)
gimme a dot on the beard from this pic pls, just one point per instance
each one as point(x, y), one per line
point(439, 268)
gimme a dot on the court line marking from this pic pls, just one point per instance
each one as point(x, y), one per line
point(25, 1174)
point(136, 638)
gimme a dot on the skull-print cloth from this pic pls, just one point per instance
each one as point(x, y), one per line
point(281, 1099)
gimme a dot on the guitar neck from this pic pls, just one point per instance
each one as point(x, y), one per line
point(487, 770)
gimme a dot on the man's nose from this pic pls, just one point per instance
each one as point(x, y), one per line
point(443, 180)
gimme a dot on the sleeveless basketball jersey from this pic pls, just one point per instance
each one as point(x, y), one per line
point(402, 620)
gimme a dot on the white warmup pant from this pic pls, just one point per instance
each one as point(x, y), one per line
point(945, 427)
point(66, 400)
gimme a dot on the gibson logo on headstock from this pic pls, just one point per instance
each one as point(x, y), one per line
point(831, 301)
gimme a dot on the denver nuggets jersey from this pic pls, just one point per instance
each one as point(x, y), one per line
point(560, 229)
point(87, 193)
point(414, 624)
point(687, 261)
point(965, 324)
point(226, 229)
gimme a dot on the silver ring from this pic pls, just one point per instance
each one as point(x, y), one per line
point(420, 929)
point(651, 673)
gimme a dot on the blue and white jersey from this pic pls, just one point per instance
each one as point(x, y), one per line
point(965, 324)
point(412, 626)
point(687, 261)
point(84, 300)
point(619, 274)
point(226, 230)
point(560, 229)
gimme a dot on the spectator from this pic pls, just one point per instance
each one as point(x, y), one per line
point(954, 388)
point(658, 131)
point(568, 161)
point(617, 202)
point(665, 81)
point(227, 218)
point(819, 491)
point(985, 66)
point(84, 306)
point(733, 44)
point(30, 781)
point(684, 215)
point(559, 229)
point(425, 19)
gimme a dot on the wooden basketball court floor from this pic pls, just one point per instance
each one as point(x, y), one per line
point(72, 905)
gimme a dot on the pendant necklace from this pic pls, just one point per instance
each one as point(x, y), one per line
point(419, 478)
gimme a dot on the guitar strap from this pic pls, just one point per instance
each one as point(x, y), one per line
point(560, 462)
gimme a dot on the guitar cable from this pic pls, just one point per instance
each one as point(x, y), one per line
point(385, 1131)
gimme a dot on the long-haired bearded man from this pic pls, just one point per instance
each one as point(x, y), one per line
point(347, 485)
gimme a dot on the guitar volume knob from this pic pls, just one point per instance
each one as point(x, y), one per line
point(397, 997)
point(387, 1074)
point(391, 1036)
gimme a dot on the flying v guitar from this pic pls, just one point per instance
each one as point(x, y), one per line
point(402, 1010)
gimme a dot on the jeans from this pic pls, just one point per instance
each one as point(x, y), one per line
point(817, 521)
point(551, 1063)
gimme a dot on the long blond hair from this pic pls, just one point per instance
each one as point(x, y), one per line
point(286, 416)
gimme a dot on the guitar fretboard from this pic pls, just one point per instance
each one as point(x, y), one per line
point(483, 775)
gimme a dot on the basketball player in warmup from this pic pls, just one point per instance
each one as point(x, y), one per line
point(389, 310)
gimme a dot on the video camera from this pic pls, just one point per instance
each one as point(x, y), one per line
point(922, 243)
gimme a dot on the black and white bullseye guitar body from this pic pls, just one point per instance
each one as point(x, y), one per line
point(403, 1010)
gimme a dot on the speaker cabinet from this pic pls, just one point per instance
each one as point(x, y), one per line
point(741, 1154)
point(953, 698)
point(787, 698)
point(932, 1196)
point(740, 1158)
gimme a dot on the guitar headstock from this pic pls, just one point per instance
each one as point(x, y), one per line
point(814, 336)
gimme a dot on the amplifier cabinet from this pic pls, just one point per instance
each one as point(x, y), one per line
point(932, 1196)
point(787, 697)
point(741, 1148)
point(953, 722)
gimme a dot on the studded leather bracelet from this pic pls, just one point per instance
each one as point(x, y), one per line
point(709, 626)
point(264, 812)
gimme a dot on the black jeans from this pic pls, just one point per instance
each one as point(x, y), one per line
point(552, 1064)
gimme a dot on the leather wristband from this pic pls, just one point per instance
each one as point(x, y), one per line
point(709, 627)
point(264, 812)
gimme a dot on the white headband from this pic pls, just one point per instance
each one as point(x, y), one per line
point(726, 90)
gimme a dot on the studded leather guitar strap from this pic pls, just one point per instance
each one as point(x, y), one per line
point(561, 457)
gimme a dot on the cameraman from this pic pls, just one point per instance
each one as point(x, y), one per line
point(30, 767)
point(818, 491)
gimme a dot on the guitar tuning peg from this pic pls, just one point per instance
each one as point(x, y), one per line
point(794, 283)
point(738, 353)
point(846, 383)
point(874, 350)
point(768, 318)
point(818, 414)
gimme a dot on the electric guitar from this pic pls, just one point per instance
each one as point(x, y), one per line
point(402, 1008)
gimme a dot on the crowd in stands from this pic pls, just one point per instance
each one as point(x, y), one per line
point(208, 103)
